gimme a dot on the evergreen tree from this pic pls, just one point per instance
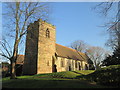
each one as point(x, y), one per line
point(114, 59)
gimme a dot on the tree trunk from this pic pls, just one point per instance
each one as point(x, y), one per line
point(95, 64)
point(12, 69)
point(15, 50)
point(13, 61)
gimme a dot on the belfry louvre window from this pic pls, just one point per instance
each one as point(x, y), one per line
point(47, 33)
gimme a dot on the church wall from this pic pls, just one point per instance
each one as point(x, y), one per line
point(69, 64)
point(84, 65)
point(73, 65)
point(58, 63)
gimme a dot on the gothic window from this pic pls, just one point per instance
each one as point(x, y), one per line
point(72, 63)
point(79, 66)
point(47, 33)
point(75, 64)
point(62, 63)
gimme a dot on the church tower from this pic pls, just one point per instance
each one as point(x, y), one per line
point(40, 48)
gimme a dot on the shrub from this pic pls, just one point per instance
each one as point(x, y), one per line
point(107, 76)
point(5, 74)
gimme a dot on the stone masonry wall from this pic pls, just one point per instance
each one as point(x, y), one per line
point(69, 64)
point(40, 49)
point(30, 62)
point(46, 48)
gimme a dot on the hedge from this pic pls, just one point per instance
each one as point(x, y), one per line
point(106, 76)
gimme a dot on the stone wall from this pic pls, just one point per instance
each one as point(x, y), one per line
point(46, 48)
point(69, 64)
point(40, 49)
point(30, 61)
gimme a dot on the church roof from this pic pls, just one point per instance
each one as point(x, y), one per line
point(62, 51)
point(70, 53)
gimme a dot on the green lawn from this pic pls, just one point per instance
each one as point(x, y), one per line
point(52, 80)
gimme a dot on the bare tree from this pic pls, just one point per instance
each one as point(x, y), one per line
point(96, 54)
point(18, 15)
point(79, 45)
point(113, 27)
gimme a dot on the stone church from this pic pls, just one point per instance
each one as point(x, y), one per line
point(43, 55)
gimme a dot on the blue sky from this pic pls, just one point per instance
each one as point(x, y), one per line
point(78, 21)
point(0, 19)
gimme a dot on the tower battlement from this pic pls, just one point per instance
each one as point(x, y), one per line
point(42, 22)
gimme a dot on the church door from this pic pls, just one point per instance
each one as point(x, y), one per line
point(69, 68)
point(55, 68)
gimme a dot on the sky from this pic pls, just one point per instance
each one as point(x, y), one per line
point(0, 19)
point(78, 21)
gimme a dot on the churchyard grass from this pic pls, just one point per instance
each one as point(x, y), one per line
point(68, 79)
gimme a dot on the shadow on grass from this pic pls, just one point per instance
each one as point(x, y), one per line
point(109, 76)
point(77, 72)
point(55, 83)
point(71, 79)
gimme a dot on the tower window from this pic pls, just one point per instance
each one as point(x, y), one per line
point(47, 33)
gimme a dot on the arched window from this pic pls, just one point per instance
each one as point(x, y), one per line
point(79, 66)
point(47, 33)
point(75, 64)
point(62, 62)
point(72, 63)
